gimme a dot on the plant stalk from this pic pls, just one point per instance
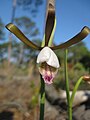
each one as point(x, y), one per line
point(42, 99)
point(69, 107)
point(75, 89)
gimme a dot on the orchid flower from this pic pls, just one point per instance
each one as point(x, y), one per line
point(49, 64)
point(48, 61)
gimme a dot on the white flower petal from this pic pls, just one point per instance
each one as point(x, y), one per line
point(44, 55)
point(48, 56)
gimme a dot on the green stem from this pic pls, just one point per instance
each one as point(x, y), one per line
point(42, 99)
point(75, 89)
point(67, 89)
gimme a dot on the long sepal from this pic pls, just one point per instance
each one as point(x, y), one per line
point(51, 37)
point(80, 36)
point(52, 34)
point(15, 30)
point(50, 19)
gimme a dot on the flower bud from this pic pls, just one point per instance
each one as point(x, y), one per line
point(86, 78)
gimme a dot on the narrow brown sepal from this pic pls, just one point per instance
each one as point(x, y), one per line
point(50, 19)
point(76, 39)
point(15, 30)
